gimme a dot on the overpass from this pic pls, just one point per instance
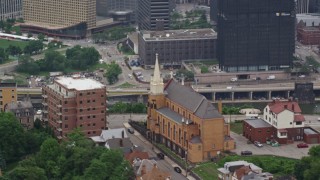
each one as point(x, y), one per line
point(245, 93)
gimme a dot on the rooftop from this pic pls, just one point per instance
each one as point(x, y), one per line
point(279, 106)
point(179, 34)
point(172, 115)
point(257, 123)
point(8, 85)
point(79, 84)
point(310, 131)
point(110, 134)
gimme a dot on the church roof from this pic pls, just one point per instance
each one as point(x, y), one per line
point(191, 100)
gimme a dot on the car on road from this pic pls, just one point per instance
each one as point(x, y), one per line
point(302, 76)
point(177, 169)
point(302, 145)
point(258, 144)
point(131, 131)
point(160, 155)
point(246, 153)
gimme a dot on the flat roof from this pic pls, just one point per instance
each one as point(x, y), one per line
point(179, 34)
point(79, 83)
point(257, 123)
point(310, 131)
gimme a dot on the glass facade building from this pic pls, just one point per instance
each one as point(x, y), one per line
point(255, 35)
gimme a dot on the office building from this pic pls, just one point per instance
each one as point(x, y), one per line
point(302, 6)
point(174, 46)
point(214, 10)
point(8, 94)
point(119, 10)
point(66, 18)
point(255, 35)
point(314, 6)
point(24, 112)
point(154, 14)
point(185, 121)
point(10, 9)
point(74, 102)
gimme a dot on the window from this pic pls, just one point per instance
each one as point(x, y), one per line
point(88, 117)
point(102, 95)
point(80, 110)
point(80, 118)
point(80, 102)
point(80, 94)
point(94, 100)
point(283, 134)
point(12, 97)
point(298, 123)
point(88, 101)
point(102, 111)
point(66, 126)
point(93, 108)
point(88, 93)
point(259, 131)
point(88, 109)
point(80, 125)
point(65, 118)
point(65, 110)
point(89, 124)
point(65, 102)
point(89, 132)
point(94, 116)
point(94, 132)
point(102, 104)
point(290, 122)
point(94, 124)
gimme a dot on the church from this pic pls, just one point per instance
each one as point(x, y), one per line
point(185, 121)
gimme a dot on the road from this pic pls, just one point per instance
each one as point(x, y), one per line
point(121, 120)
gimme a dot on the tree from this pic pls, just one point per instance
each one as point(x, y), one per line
point(30, 35)
point(3, 55)
point(81, 58)
point(204, 69)
point(308, 168)
point(113, 71)
point(182, 73)
point(33, 47)
point(12, 134)
point(28, 173)
point(13, 50)
point(28, 65)
point(41, 37)
point(53, 61)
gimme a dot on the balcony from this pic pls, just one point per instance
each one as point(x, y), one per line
point(44, 104)
point(44, 119)
point(44, 96)
point(45, 111)
point(60, 122)
point(59, 105)
point(59, 129)
point(59, 114)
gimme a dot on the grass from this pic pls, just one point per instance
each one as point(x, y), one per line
point(207, 171)
point(236, 127)
point(276, 165)
point(4, 43)
point(126, 85)
point(204, 62)
point(98, 66)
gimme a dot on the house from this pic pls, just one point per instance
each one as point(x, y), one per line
point(257, 130)
point(240, 170)
point(148, 170)
point(287, 120)
point(185, 121)
point(114, 139)
point(24, 112)
point(136, 155)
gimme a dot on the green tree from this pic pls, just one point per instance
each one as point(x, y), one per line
point(113, 71)
point(41, 37)
point(13, 50)
point(28, 65)
point(308, 168)
point(12, 144)
point(28, 173)
point(53, 61)
point(3, 55)
point(204, 69)
point(33, 47)
point(96, 170)
point(188, 75)
point(30, 35)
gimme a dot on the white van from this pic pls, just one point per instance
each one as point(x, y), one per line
point(234, 79)
point(271, 77)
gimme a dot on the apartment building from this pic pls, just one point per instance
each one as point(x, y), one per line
point(59, 18)
point(74, 102)
point(10, 9)
point(24, 112)
point(8, 94)
point(185, 121)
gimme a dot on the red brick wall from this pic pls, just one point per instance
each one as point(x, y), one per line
point(257, 134)
point(308, 37)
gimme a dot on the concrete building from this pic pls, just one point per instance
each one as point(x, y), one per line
point(308, 29)
point(8, 94)
point(185, 121)
point(74, 102)
point(255, 35)
point(240, 170)
point(10, 9)
point(173, 46)
point(53, 17)
point(24, 112)
point(302, 6)
point(154, 14)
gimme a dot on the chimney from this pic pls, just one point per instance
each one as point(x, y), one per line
point(143, 170)
point(121, 143)
point(122, 134)
point(220, 106)
point(292, 107)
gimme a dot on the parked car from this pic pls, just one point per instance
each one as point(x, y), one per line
point(302, 145)
point(131, 131)
point(246, 153)
point(258, 144)
point(160, 155)
point(177, 169)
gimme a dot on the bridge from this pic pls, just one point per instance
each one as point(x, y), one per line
point(235, 93)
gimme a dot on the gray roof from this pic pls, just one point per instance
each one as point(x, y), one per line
point(193, 101)
point(257, 123)
point(20, 107)
point(148, 165)
point(309, 131)
point(116, 143)
point(110, 134)
point(170, 114)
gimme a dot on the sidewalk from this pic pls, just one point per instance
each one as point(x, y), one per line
point(156, 150)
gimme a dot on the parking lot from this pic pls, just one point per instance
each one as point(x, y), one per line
point(287, 150)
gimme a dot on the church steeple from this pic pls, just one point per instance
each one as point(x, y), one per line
point(156, 83)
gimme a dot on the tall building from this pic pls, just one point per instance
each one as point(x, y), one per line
point(8, 94)
point(302, 6)
point(120, 10)
point(154, 14)
point(59, 17)
point(10, 9)
point(73, 102)
point(174, 46)
point(255, 35)
point(185, 121)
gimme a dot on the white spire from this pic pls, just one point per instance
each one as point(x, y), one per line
point(156, 83)
point(156, 73)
